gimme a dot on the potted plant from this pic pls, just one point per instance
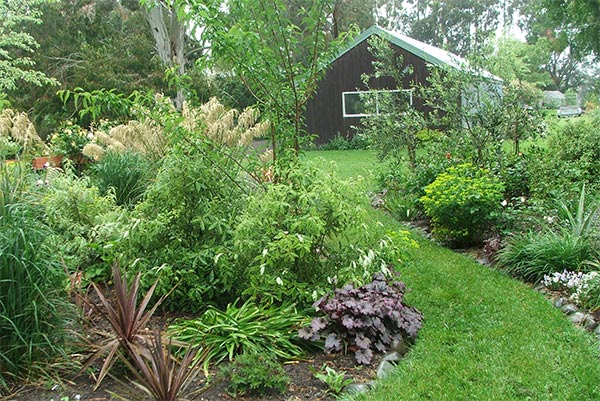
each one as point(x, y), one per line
point(68, 141)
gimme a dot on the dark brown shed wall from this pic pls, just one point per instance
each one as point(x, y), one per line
point(324, 114)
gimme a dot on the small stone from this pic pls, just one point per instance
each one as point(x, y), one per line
point(357, 388)
point(569, 309)
point(400, 347)
point(558, 302)
point(392, 357)
point(577, 318)
point(589, 323)
point(385, 369)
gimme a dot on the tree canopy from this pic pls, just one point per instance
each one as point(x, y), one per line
point(16, 44)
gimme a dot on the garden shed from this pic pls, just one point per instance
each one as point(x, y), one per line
point(334, 109)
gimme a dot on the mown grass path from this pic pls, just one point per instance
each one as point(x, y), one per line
point(486, 336)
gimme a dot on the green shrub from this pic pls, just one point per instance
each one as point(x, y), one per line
point(289, 238)
point(124, 175)
point(84, 224)
point(339, 142)
point(182, 230)
point(255, 374)
point(534, 255)
point(462, 203)
point(561, 168)
point(514, 173)
point(32, 298)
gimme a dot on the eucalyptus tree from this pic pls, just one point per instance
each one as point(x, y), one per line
point(578, 20)
point(460, 26)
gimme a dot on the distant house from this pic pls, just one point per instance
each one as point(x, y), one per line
point(335, 107)
point(553, 99)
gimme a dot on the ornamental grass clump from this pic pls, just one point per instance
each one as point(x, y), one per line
point(33, 303)
point(364, 320)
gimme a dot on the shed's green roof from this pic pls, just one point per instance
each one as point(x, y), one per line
point(431, 54)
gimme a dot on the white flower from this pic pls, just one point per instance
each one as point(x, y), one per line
point(279, 281)
point(504, 202)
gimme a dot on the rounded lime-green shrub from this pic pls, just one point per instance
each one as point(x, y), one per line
point(463, 203)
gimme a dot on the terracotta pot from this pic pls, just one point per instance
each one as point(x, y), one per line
point(40, 163)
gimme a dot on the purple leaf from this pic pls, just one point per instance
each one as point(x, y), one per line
point(305, 333)
point(333, 343)
point(363, 356)
point(318, 324)
point(362, 342)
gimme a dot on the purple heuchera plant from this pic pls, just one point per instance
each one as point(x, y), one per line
point(365, 319)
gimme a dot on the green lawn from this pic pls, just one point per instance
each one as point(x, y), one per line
point(485, 335)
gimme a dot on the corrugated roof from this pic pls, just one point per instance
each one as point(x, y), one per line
point(431, 54)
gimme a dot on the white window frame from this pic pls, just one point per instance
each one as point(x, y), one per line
point(345, 114)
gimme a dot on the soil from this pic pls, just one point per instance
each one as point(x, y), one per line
point(118, 386)
point(303, 385)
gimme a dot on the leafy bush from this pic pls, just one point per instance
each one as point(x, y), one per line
point(248, 328)
point(182, 230)
point(514, 173)
point(124, 175)
point(364, 319)
point(462, 203)
point(255, 374)
point(534, 255)
point(286, 238)
point(339, 142)
point(84, 224)
point(559, 168)
point(32, 299)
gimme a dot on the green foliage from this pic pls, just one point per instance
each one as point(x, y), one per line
point(288, 237)
point(579, 18)
point(560, 168)
point(462, 203)
point(581, 220)
point(393, 124)
point(339, 142)
point(569, 245)
point(255, 374)
point(335, 381)
point(249, 328)
point(69, 139)
point(32, 300)
point(16, 43)
point(515, 174)
point(125, 175)
point(183, 227)
point(8, 148)
point(533, 255)
point(280, 34)
point(84, 224)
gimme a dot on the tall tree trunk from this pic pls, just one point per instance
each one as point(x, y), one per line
point(169, 36)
